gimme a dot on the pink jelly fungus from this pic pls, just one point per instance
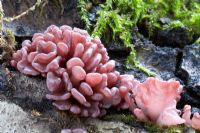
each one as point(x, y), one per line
point(127, 91)
point(153, 100)
point(193, 122)
point(80, 76)
point(81, 79)
point(78, 130)
point(162, 94)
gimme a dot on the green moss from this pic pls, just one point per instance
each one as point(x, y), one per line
point(133, 62)
point(183, 13)
point(121, 117)
point(198, 40)
point(175, 129)
point(118, 17)
point(150, 127)
point(10, 36)
point(82, 4)
point(131, 120)
point(173, 24)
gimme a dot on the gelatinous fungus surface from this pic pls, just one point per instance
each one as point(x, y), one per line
point(80, 76)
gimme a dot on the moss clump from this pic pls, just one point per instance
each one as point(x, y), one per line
point(122, 117)
point(153, 127)
point(9, 36)
point(175, 129)
point(7, 46)
point(150, 127)
point(198, 40)
point(131, 120)
point(120, 16)
point(82, 4)
point(182, 13)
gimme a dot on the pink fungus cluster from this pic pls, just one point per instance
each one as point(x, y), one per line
point(79, 74)
point(158, 104)
point(126, 89)
point(153, 100)
point(81, 78)
point(193, 121)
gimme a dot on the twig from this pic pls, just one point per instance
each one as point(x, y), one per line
point(62, 7)
point(10, 19)
point(1, 17)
